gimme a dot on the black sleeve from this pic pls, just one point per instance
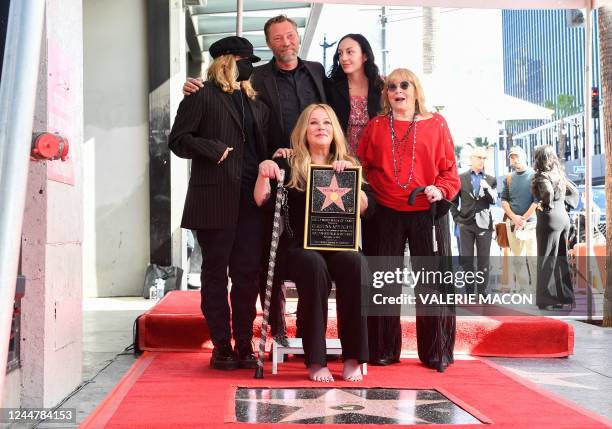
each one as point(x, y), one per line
point(543, 191)
point(454, 208)
point(283, 164)
point(372, 204)
point(183, 140)
point(491, 193)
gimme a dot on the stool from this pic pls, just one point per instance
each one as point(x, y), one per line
point(279, 351)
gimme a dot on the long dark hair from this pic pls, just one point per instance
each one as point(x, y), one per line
point(371, 69)
point(546, 162)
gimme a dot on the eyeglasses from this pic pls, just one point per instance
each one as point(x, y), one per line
point(479, 157)
point(403, 84)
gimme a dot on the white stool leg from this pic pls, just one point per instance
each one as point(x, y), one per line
point(364, 368)
point(274, 357)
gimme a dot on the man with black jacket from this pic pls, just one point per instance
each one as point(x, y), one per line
point(478, 193)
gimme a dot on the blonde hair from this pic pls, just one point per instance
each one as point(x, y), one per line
point(399, 75)
point(224, 72)
point(301, 159)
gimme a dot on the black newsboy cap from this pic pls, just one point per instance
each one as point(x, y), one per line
point(233, 45)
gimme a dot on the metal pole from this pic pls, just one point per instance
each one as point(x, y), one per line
point(383, 35)
point(588, 174)
point(17, 101)
point(239, 11)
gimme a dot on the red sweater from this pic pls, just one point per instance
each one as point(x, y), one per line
point(434, 163)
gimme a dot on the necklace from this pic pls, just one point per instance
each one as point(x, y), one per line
point(396, 146)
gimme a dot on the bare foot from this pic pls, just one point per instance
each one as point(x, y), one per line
point(352, 370)
point(319, 373)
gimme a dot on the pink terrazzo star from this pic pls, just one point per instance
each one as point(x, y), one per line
point(333, 194)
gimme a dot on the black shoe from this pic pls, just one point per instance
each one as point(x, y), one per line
point(223, 357)
point(380, 362)
point(246, 357)
point(384, 359)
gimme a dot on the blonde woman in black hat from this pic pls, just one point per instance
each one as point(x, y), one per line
point(223, 130)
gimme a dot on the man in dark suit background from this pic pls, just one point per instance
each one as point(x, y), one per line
point(478, 193)
point(286, 84)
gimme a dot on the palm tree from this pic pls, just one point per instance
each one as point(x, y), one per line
point(605, 46)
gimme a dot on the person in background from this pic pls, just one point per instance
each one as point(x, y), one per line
point(474, 217)
point(549, 187)
point(219, 202)
point(354, 86)
point(519, 206)
point(404, 148)
point(286, 84)
point(318, 139)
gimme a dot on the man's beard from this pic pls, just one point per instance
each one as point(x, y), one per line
point(287, 55)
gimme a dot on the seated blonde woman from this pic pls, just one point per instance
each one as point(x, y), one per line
point(318, 139)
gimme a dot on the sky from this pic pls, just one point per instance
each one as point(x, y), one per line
point(468, 64)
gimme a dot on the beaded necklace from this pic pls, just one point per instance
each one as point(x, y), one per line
point(396, 146)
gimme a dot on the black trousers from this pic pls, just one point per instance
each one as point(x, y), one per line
point(239, 249)
point(470, 235)
point(554, 284)
point(313, 273)
point(390, 229)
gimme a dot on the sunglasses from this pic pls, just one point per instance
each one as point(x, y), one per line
point(403, 84)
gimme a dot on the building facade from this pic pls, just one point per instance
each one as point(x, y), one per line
point(544, 64)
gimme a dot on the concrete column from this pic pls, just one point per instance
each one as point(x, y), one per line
point(168, 174)
point(53, 225)
point(115, 148)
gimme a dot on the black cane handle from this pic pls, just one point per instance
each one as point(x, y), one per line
point(433, 207)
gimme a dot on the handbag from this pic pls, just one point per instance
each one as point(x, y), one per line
point(171, 275)
point(501, 233)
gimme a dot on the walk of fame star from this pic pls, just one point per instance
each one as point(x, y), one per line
point(348, 406)
point(333, 194)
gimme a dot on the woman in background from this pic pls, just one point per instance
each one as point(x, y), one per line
point(549, 185)
point(354, 87)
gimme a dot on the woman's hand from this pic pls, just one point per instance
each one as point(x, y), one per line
point(225, 154)
point(433, 194)
point(339, 166)
point(284, 152)
point(268, 169)
point(192, 85)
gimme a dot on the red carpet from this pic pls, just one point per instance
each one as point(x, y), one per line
point(176, 324)
point(179, 390)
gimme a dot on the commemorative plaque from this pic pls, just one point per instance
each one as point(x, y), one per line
point(332, 208)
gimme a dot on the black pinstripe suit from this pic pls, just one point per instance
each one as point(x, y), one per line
point(206, 124)
point(220, 206)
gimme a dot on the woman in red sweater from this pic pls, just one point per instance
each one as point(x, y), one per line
point(404, 148)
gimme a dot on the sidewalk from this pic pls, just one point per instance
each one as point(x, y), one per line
point(584, 378)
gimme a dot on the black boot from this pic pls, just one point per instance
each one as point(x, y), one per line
point(223, 357)
point(244, 351)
